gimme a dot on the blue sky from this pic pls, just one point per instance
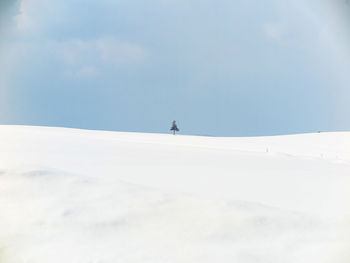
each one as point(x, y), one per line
point(222, 68)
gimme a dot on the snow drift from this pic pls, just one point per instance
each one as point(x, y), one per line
point(81, 196)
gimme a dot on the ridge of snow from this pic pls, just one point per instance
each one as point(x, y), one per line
point(69, 195)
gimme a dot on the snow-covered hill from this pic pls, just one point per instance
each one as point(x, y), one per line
point(78, 196)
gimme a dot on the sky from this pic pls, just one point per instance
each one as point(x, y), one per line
point(220, 68)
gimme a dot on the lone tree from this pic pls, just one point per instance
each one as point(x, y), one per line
point(174, 127)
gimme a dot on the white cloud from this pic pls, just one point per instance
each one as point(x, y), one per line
point(106, 49)
point(46, 27)
point(28, 19)
point(273, 31)
point(85, 58)
point(87, 72)
point(114, 51)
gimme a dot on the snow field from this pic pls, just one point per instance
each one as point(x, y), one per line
point(90, 196)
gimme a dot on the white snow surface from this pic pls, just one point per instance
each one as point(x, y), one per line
point(80, 196)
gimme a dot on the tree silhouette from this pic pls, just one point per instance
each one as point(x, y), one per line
point(174, 127)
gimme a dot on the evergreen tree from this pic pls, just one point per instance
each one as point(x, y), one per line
point(174, 127)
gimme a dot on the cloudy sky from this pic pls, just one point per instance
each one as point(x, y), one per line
point(222, 68)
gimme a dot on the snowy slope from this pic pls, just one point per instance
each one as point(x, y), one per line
point(80, 196)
